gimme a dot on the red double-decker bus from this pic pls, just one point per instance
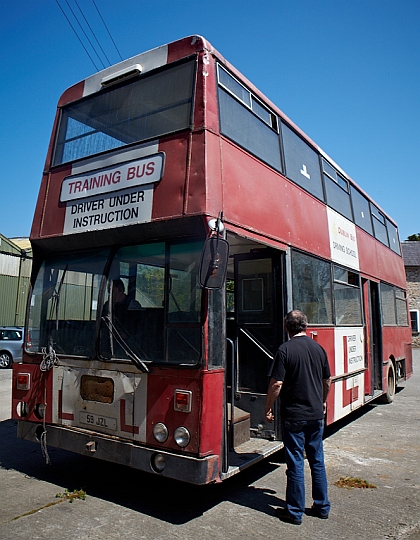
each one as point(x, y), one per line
point(181, 215)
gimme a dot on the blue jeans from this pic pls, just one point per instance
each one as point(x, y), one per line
point(298, 437)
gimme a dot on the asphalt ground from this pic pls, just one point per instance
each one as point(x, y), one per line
point(379, 444)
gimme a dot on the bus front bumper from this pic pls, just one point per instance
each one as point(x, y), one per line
point(179, 467)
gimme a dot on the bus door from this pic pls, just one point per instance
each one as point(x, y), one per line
point(374, 336)
point(258, 331)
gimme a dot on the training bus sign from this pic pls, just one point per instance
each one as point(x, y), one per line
point(111, 197)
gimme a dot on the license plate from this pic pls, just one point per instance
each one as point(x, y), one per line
point(94, 420)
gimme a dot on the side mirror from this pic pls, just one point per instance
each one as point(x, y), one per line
point(214, 261)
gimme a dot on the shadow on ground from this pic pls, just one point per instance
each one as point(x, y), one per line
point(162, 498)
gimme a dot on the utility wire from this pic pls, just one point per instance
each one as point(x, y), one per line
point(109, 33)
point(86, 36)
point(93, 33)
point(77, 35)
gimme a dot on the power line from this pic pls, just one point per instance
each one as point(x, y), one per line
point(77, 35)
point(109, 33)
point(93, 33)
point(94, 47)
point(86, 36)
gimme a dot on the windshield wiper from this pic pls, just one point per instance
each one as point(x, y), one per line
point(123, 344)
point(55, 297)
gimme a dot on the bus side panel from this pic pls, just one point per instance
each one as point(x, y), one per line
point(290, 214)
point(211, 420)
point(396, 343)
point(375, 260)
point(205, 195)
point(169, 193)
point(52, 222)
point(326, 338)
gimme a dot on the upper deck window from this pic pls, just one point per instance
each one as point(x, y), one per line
point(247, 121)
point(336, 190)
point(379, 225)
point(394, 241)
point(361, 210)
point(302, 164)
point(146, 108)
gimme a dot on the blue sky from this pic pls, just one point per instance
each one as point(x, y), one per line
point(347, 72)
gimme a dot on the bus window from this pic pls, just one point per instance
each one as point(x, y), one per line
point(401, 305)
point(347, 298)
point(160, 315)
point(389, 316)
point(302, 165)
point(248, 122)
point(64, 301)
point(184, 303)
point(394, 241)
point(311, 286)
point(361, 210)
point(149, 107)
point(379, 227)
point(336, 191)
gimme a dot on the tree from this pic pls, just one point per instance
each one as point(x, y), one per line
point(414, 237)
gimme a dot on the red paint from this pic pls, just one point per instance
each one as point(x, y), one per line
point(204, 422)
point(282, 201)
point(40, 391)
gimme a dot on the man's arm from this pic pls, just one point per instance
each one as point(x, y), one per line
point(273, 392)
point(326, 387)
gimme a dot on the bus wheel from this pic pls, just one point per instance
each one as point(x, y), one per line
point(388, 396)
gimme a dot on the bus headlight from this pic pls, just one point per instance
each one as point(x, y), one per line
point(40, 411)
point(22, 409)
point(182, 437)
point(158, 462)
point(160, 432)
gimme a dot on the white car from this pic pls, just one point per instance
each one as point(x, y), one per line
point(11, 340)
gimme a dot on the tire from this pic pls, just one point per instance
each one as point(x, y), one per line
point(6, 360)
point(388, 396)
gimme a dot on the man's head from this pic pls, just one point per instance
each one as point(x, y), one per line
point(295, 322)
point(118, 285)
point(118, 294)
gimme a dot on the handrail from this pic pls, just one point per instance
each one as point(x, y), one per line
point(257, 343)
point(226, 448)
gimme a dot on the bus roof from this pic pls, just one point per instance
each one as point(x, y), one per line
point(176, 50)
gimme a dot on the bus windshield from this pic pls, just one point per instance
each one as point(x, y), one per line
point(152, 106)
point(142, 301)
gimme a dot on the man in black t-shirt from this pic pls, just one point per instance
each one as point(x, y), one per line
point(301, 377)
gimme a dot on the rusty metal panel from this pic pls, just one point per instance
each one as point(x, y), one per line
point(93, 388)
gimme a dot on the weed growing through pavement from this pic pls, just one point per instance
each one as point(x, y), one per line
point(66, 496)
point(71, 496)
point(349, 482)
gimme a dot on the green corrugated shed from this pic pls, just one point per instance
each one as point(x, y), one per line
point(15, 271)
